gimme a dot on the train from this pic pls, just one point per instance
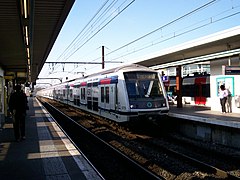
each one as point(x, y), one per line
point(126, 93)
point(195, 89)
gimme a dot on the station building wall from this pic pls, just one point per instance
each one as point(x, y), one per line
point(232, 82)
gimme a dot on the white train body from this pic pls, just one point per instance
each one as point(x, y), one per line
point(121, 94)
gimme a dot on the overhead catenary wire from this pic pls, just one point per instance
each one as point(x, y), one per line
point(73, 48)
point(210, 20)
point(96, 21)
point(164, 26)
point(89, 27)
point(159, 28)
point(87, 40)
point(70, 45)
point(176, 34)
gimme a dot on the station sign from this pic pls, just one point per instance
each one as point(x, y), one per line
point(165, 78)
point(232, 70)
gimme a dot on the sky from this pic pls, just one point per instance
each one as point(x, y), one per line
point(130, 30)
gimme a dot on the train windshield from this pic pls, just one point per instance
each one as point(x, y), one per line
point(143, 85)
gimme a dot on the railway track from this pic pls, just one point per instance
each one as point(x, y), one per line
point(148, 154)
point(110, 162)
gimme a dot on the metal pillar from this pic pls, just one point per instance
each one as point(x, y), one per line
point(179, 86)
point(103, 57)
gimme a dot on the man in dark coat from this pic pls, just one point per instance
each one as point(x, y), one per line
point(17, 107)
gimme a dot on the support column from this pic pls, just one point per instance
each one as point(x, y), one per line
point(103, 57)
point(179, 86)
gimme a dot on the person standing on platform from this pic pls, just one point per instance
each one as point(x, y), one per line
point(229, 101)
point(18, 105)
point(223, 97)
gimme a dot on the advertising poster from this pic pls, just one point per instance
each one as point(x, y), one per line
point(228, 82)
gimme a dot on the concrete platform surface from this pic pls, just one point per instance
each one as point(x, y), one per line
point(47, 153)
point(206, 115)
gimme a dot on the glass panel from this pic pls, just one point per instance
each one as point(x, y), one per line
point(84, 93)
point(102, 94)
point(107, 94)
point(70, 93)
point(143, 85)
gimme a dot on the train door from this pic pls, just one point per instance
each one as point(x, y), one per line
point(89, 95)
point(92, 96)
point(76, 99)
point(108, 96)
point(200, 98)
point(70, 93)
point(95, 94)
point(83, 93)
point(112, 96)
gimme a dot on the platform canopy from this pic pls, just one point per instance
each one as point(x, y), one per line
point(28, 30)
point(218, 45)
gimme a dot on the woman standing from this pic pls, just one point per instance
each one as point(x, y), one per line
point(223, 97)
point(229, 102)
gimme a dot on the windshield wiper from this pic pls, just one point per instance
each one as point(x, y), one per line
point(149, 89)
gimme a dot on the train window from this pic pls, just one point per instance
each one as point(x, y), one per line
point(95, 84)
point(131, 89)
point(197, 91)
point(156, 90)
point(70, 93)
point(107, 94)
point(83, 93)
point(206, 90)
point(188, 90)
point(143, 84)
point(102, 94)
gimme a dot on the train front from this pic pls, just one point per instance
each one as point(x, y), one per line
point(146, 94)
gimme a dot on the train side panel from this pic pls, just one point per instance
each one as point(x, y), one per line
point(195, 90)
point(122, 95)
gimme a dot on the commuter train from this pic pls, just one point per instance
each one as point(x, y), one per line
point(125, 93)
point(195, 89)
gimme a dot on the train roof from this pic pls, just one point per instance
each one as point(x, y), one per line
point(124, 67)
point(116, 69)
point(109, 71)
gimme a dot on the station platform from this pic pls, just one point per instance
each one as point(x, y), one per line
point(205, 115)
point(46, 153)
